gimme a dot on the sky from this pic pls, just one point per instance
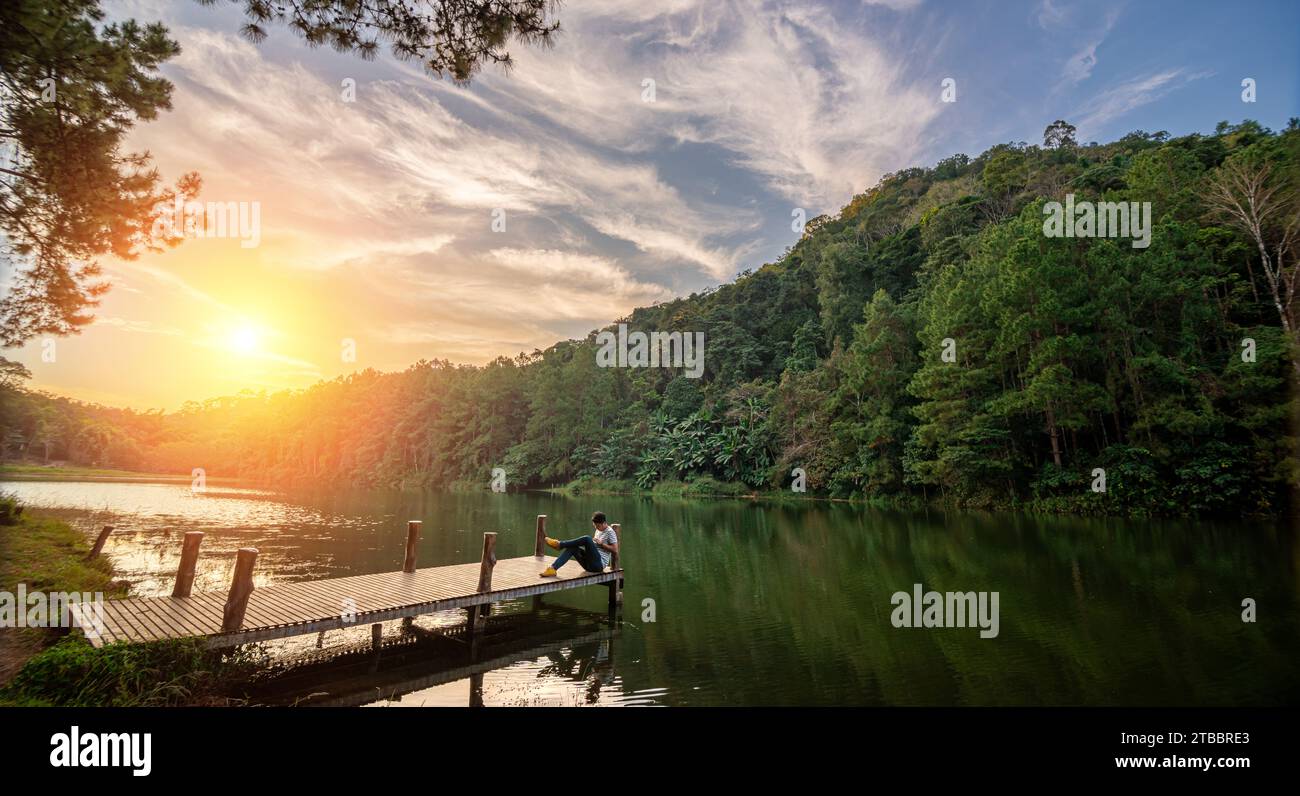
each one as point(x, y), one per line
point(404, 217)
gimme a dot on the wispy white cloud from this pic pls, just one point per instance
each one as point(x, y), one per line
point(1079, 66)
point(142, 327)
point(815, 108)
point(1119, 100)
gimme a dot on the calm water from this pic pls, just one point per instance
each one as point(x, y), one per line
point(759, 603)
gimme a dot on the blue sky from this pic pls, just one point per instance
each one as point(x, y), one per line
point(376, 214)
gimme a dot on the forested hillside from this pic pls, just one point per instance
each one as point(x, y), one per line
point(1070, 354)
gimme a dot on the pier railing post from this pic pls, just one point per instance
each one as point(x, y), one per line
point(241, 587)
point(412, 540)
point(540, 547)
point(485, 566)
point(539, 550)
point(488, 562)
point(189, 559)
point(99, 542)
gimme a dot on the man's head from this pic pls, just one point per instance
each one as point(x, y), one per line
point(598, 519)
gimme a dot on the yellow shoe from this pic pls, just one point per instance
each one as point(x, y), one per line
point(549, 572)
point(554, 544)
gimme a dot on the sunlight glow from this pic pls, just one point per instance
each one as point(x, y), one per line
point(244, 339)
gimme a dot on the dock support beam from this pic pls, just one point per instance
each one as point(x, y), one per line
point(376, 636)
point(189, 559)
point(412, 540)
point(99, 542)
point(241, 588)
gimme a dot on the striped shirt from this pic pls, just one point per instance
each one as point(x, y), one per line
point(606, 536)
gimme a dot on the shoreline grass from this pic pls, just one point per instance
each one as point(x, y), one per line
point(55, 666)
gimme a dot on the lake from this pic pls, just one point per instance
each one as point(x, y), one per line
point(755, 603)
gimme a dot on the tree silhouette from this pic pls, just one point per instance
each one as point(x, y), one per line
point(450, 37)
point(1059, 133)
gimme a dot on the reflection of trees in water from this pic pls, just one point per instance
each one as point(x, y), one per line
point(790, 606)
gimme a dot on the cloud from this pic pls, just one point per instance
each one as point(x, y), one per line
point(815, 108)
point(143, 327)
point(398, 170)
point(1119, 100)
point(1080, 65)
point(560, 268)
point(1050, 16)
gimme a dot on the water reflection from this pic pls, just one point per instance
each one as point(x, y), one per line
point(550, 656)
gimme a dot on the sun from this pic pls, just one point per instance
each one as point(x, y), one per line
point(244, 339)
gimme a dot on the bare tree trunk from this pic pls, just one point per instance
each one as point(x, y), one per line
point(1055, 435)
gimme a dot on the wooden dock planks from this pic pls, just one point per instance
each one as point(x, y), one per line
point(289, 609)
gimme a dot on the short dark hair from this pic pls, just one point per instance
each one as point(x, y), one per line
point(598, 517)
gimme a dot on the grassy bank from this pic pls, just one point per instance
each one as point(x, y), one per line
point(55, 666)
point(71, 673)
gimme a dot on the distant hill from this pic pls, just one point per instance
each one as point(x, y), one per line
point(930, 342)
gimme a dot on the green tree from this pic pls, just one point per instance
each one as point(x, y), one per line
point(70, 90)
point(1058, 134)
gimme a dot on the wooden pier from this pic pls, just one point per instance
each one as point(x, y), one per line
point(248, 614)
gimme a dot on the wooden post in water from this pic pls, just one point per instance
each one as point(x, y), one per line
point(488, 561)
point(616, 587)
point(412, 540)
point(99, 542)
point(539, 548)
point(241, 587)
point(189, 559)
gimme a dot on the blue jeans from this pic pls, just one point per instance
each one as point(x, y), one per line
point(584, 550)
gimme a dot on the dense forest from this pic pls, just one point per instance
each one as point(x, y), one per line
point(929, 342)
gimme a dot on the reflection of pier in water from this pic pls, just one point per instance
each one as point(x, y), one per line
point(421, 659)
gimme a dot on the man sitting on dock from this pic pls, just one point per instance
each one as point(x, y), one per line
point(591, 552)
